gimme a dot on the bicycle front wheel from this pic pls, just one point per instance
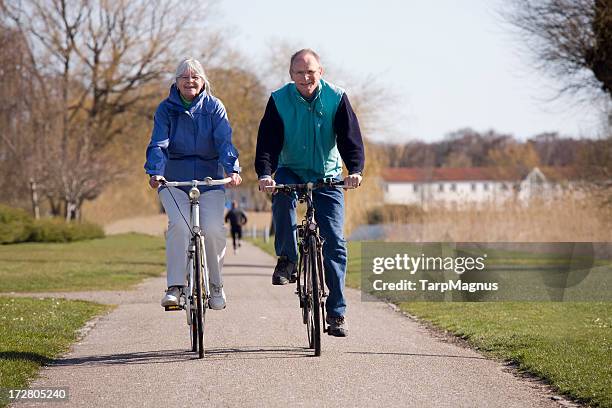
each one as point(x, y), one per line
point(193, 331)
point(199, 295)
point(315, 296)
point(306, 296)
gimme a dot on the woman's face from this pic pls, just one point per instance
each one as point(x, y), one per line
point(189, 84)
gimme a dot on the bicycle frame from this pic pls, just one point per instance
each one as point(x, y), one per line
point(194, 297)
point(196, 235)
point(311, 288)
point(307, 229)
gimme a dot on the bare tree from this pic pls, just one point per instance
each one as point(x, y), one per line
point(245, 98)
point(571, 40)
point(94, 61)
point(21, 132)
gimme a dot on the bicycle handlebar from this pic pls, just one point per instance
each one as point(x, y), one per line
point(307, 186)
point(193, 183)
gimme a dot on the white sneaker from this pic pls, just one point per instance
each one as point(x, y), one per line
point(217, 298)
point(172, 296)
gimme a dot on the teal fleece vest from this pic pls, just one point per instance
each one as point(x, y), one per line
point(309, 148)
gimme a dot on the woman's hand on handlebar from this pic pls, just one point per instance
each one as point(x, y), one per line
point(155, 181)
point(236, 179)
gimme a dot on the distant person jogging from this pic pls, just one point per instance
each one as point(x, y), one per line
point(237, 218)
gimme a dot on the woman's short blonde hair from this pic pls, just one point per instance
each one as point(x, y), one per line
point(196, 67)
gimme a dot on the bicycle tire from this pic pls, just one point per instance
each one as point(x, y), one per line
point(315, 295)
point(307, 300)
point(301, 287)
point(321, 287)
point(199, 297)
point(191, 313)
point(193, 331)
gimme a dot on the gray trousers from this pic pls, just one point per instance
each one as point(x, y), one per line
point(212, 204)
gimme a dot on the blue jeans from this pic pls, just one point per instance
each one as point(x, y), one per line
point(329, 215)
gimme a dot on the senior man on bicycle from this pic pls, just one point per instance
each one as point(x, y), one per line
point(192, 140)
point(307, 131)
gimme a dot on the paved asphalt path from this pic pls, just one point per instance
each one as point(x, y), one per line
point(256, 356)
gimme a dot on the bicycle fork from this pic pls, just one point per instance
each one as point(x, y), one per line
point(187, 301)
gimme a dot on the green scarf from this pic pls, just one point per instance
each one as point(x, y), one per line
point(186, 103)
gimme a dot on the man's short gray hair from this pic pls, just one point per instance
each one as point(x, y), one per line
point(196, 67)
point(304, 51)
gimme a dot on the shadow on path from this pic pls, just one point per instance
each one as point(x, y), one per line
point(26, 356)
point(253, 353)
point(172, 356)
point(143, 357)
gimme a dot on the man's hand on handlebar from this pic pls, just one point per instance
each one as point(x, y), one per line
point(265, 182)
point(353, 180)
point(155, 181)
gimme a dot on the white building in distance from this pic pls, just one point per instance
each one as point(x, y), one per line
point(456, 187)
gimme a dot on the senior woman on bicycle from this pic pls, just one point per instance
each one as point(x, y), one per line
point(192, 140)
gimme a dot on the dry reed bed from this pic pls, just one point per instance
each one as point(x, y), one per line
point(568, 219)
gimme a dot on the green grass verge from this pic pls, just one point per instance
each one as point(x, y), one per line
point(567, 344)
point(111, 263)
point(34, 331)
point(267, 247)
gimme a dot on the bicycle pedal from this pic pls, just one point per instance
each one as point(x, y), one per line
point(172, 308)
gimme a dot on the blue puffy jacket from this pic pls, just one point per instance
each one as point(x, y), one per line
point(191, 143)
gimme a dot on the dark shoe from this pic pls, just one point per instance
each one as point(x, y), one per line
point(292, 272)
point(283, 271)
point(337, 326)
point(293, 275)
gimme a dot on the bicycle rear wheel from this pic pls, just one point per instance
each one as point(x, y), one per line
point(315, 296)
point(199, 296)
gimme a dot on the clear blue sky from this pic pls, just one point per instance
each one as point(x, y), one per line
point(453, 63)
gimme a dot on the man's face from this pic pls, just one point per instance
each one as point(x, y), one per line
point(306, 73)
